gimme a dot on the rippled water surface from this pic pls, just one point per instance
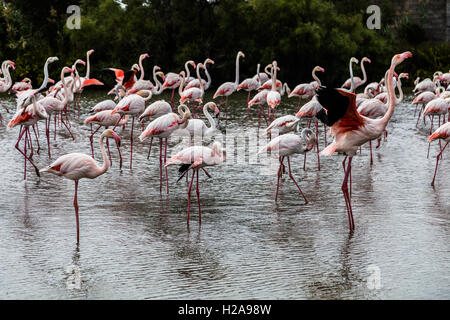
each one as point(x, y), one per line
point(135, 242)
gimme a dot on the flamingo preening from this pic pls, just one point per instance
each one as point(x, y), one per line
point(76, 166)
point(443, 133)
point(195, 158)
point(349, 129)
point(227, 88)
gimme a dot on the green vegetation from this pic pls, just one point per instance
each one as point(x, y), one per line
point(299, 34)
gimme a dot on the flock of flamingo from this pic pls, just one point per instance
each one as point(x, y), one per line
point(353, 119)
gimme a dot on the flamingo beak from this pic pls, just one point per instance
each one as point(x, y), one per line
point(116, 138)
point(322, 69)
point(217, 112)
point(406, 55)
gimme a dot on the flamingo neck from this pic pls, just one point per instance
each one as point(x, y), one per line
point(36, 108)
point(180, 88)
point(208, 77)
point(188, 72)
point(88, 67)
point(141, 67)
point(315, 77)
point(66, 91)
point(105, 165)
point(391, 99)
point(236, 81)
point(210, 119)
point(399, 87)
point(274, 77)
point(44, 83)
point(200, 79)
point(364, 72)
point(257, 73)
point(352, 87)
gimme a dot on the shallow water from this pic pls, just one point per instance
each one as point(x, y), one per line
point(135, 243)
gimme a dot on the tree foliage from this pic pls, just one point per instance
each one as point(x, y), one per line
point(298, 34)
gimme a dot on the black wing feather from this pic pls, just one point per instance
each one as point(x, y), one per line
point(335, 104)
point(183, 169)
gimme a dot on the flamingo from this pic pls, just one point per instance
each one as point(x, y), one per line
point(227, 88)
point(383, 95)
point(192, 94)
point(250, 84)
point(424, 85)
point(349, 129)
point(27, 117)
point(133, 105)
point(443, 133)
point(307, 90)
point(105, 119)
point(173, 80)
point(273, 97)
point(262, 77)
point(76, 166)
point(357, 80)
point(309, 111)
point(283, 124)
point(25, 84)
point(54, 105)
point(198, 128)
point(6, 83)
point(195, 158)
point(287, 145)
point(259, 99)
point(423, 98)
point(206, 84)
point(162, 128)
point(142, 84)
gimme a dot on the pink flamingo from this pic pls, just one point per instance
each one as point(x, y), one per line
point(287, 145)
point(309, 110)
point(443, 133)
point(206, 84)
point(27, 117)
point(25, 84)
point(250, 84)
point(349, 129)
point(195, 158)
point(194, 93)
point(162, 128)
point(260, 99)
point(283, 124)
point(307, 90)
point(6, 83)
point(173, 80)
point(357, 80)
point(227, 88)
point(133, 105)
point(273, 97)
point(76, 166)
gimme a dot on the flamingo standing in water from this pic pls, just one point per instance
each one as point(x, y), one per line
point(198, 128)
point(307, 90)
point(195, 158)
point(133, 105)
point(287, 145)
point(206, 84)
point(250, 84)
point(76, 166)
point(273, 97)
point(443, 133)
point(27, 117)
point(350, 130)
point(227, 88)
point(23, 85)
point(162, 128)
point(194, 93)
point(173, 80)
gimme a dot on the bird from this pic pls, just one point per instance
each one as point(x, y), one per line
point(227, 88)
point(287, 145)
point(273, 97)
point(443, 133)
point(357, 80)
point(173, 80)
point(307, 90)
point(26, 118)
point(133, 105)
point(250, 84)
point(195, 158)
point(206, 84)
point(6, 82)
point(162, 127)
point(197, 128)
point(348, 128)
point(423, 98)
point(194, 93)
point(424, 85)
point(25, 84)
point(283, 124)
point(76, 166)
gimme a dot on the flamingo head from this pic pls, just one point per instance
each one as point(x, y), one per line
point(353, 60)
point(213, 107)
point(404, 75)
point(109, 133)
point(308, 139)
point(161, 74)
point(52, 59)
point(68, 70)
point(90, 52)
point(366, 59)
point(398, 58)
point(209, 61)
point(241, 54)
point(12, 64)
point(318, 68)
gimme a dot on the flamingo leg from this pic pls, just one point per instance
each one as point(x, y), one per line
point(68, 129)
point(150, 148)
point(371, 158)
point(198, 200)
point(75, 205)
point(325, 133)
point(420, 113)
point(160, 164)
point(23, 131)
point(437, 162)
point(91, 137)
point(165, 159)
point(131, 141)
point(293, 179)
point(317, 146)
point(25, 159)
point(226, 111)
point(346, 194)
point(47, 133)
point(54, 118)
point(171, 99)
point(37, 140)
point(121, 116)
point(206, 172)
point(120, 156)
point(189, 196)
point(280, 170)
